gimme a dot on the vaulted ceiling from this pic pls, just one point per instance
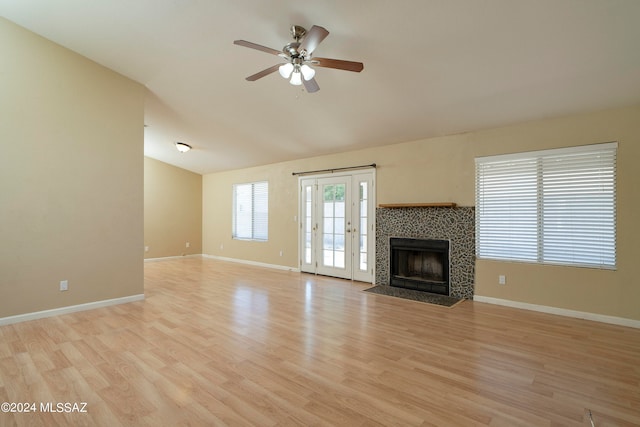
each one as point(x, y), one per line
point(431, 68)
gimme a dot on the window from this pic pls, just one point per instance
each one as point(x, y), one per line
point(552, 206)
point(251, 211)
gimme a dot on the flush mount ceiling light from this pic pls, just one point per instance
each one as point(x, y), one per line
point(182, 147)
point(298, 57)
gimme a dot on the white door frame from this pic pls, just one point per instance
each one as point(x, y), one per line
point(362, 245)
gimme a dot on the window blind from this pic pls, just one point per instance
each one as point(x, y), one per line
point(553, 206)
point(251, 211)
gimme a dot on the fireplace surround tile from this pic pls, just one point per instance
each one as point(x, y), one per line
point(457, 225)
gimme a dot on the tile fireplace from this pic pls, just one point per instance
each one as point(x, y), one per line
point(454, 225)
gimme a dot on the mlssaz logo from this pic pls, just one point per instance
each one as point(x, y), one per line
point(64, 407)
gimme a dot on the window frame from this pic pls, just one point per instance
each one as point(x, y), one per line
point(258, 228)
point(568, 193)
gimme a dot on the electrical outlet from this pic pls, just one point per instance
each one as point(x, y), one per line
point(280, 252)
point(188, 245)
point(221, 246)
point(64, 285)
point(146, 248)
point(502, 280)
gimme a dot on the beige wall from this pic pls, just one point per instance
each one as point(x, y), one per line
point(217, 209)
point(614, 293)
point(71, 177)
point(441, 170)
point(172, 210)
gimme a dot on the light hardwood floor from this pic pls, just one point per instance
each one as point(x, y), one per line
point(218, 343)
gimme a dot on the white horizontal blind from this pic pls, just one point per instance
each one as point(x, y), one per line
point(578, 215)
point(507, 209)
point(251, 211)
point(553, 206)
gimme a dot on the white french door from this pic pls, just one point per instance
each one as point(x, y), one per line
point(337, 227)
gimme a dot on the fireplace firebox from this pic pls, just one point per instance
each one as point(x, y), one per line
point(420, 264)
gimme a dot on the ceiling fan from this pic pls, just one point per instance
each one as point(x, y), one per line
point(298, 57)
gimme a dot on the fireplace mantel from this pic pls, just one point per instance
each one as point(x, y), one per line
point(418, 205)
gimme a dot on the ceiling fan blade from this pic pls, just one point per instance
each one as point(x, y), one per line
point(257, 47)
point(338, 64)
point(312, 39)
point(263, 73)
point(311, 85)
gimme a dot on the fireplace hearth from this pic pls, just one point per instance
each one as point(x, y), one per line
point(419, 264)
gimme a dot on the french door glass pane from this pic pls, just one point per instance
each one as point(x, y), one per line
point(363, 226)
point(333, 225)
point(328, 225)
point(307, 224)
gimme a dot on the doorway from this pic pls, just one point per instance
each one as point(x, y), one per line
point(337, 226)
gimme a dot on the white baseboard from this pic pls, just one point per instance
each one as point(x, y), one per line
point(172, 257)
point(560, 311)
point(254, 263)
point(69, 309)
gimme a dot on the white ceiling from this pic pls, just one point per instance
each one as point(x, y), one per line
point(431, 67)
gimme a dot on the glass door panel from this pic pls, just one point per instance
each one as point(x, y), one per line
point(307, 226)
point(363, 229)
point(336, 246)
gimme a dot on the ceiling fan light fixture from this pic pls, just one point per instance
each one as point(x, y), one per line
point(307, 72)
point(182, 147)
point(296, 78)
point(286, 70)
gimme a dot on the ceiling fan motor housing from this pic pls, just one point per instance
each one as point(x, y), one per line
point(291, 49)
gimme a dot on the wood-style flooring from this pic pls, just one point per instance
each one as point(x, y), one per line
point(218, 343)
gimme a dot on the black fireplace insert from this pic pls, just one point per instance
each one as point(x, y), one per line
point(420, 264)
